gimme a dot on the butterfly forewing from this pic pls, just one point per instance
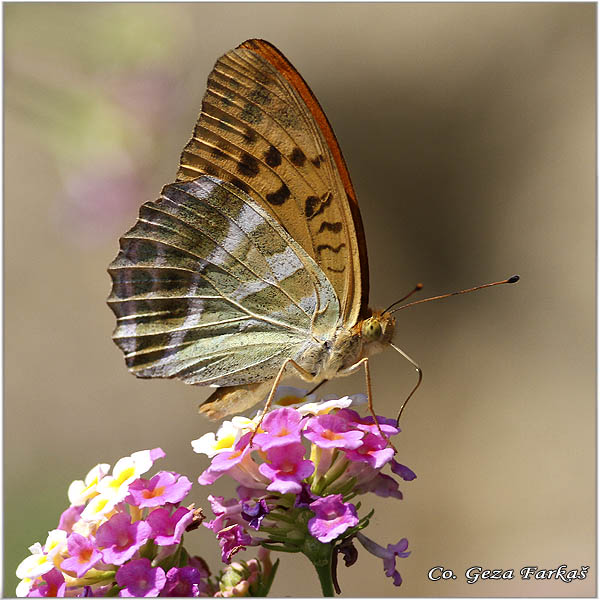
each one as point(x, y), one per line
point(208, 287)
point(262, 130)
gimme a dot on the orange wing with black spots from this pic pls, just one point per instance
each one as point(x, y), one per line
point(262, 129)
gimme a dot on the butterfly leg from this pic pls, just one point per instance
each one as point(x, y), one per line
point(355, 367)
point(370, 404)
point(303, 372)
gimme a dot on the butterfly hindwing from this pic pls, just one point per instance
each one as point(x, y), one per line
point(262, 130)
point(209, 288)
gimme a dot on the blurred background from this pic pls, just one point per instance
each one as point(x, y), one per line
point(469, 132)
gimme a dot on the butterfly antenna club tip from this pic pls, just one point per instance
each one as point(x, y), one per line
point(513, 279)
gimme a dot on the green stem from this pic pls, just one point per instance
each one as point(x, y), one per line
point(320, 555)
point(324, 573)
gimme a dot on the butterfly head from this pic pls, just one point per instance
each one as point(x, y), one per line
point(378, 329)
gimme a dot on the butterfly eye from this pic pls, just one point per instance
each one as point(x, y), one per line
point(371, 330)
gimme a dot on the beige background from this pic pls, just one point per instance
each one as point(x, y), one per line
point(469, 131)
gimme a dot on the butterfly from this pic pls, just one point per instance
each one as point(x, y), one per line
point(252, 265)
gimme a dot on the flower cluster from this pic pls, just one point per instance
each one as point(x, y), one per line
point(297, 474)
point(122, 534)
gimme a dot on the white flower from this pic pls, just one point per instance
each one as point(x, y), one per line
point(96, 511)
point(322, 407)
point(115, 487)
point(81, 491)
point(24, 587)
point(225, 438)
point(35, 564)
point(56, 542)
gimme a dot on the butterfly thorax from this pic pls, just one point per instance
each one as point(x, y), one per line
point(335, 357)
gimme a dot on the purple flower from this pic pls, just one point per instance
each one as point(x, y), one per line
point(200, 565)
point(53, 587)
point(121, 538)
point(224, 509)
point(332, 517)
point(331, 431)
point(305, 497)
point(387, 426)
point(367, 424)
point(182, 582)
point(69, 517)
point(381, 485)
point(286, 468)
point(374, 451)
point(232, 540)
point(83, 555)
point(255, 514)
point(281, 427)
point(403, 471)
point(388, 554)
point(140, 580)
point(165, 487)
point(168, 529)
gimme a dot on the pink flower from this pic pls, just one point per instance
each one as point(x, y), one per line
point(54, 586)
point(223, 509)
point(374, 451)
point(121, 538)
point(332, 517)
point(281, 427)
point(232, 539)
point(168, 529)
point(69, 517)
point(83, 555)
point(164, 487)
point(140, 580)
point(286, 468)
point(367, 424)
point(331, 431)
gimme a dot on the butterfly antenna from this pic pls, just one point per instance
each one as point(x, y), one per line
point(420, 374)
point(512, 279)
point(417, 288)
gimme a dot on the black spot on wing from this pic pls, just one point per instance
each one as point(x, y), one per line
point(248, 165)
point(315, 206)
point(327, 226)
point(217, 152)
point(298, 157)
point(242, 185)
point(273, 157)
point(310, 207)
point(322, 247)
point(317, 160)
point(250, 136)
point(280, 196)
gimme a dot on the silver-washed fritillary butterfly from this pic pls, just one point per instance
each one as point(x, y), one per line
point(252, 264)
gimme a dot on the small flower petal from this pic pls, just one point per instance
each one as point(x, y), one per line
point(140, 580)
point(332, 517)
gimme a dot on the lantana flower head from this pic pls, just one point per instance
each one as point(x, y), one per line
point(298, 475)
point(117, 525)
